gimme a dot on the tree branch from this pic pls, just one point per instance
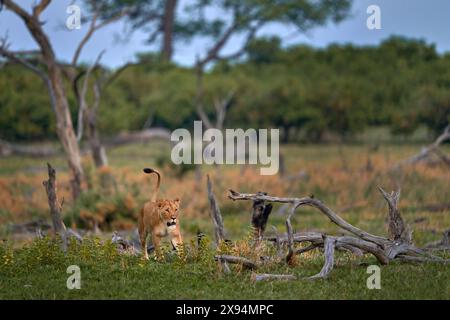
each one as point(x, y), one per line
point(93, 27)
point(427, 151)
point(237, 260)
point(316, 204)
point(216, 216)
point(81, 97)
point(330, 242)
point(14, 56)
point(39, 8)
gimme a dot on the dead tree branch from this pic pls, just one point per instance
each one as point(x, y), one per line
point(216, 216)
point(8, 148)
point(54, 204)
point(329, 258)
point(399, 246)
point(81, 95)
point(397, 229)
point(268, 276)
point(308, 201)
point(443, 244)
point(427, 151)
point(137, 136)
point(237, 260)
point(93, 27)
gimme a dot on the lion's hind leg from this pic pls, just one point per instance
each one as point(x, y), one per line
point(143, 239)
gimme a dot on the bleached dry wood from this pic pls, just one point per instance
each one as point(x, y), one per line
point(269, 276)
point(125, 246)
point(435, 207)
point(399, 245)
point(348, 243)
point(443, 244)
point(8, 149)
point(329, 258)
point(291, 252)
point(237, 260)
point(427, 151)
point(397, 228)
point(138, 136)
point(277, 242)
point(306, 249)
point(216, 217)
point(308, 201)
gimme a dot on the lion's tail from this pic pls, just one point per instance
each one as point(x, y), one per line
point(149, 171)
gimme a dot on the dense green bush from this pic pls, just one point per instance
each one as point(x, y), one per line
point(307, 92)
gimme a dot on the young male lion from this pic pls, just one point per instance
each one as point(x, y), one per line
point(160, 218)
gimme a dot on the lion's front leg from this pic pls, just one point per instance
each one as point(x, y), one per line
point(176, 241)
point(157, 244)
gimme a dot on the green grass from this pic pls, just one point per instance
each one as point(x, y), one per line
point(38, 269)
point(39, 272)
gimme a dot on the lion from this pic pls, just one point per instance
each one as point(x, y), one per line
point(160, 219)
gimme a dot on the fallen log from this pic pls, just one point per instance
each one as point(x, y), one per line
point(428, 151)
point(397, 246)
point(329, 258)
point(41, 151)
point(436, 207)
point(137, 136)
point(268, 276)
point(443, 244)
point(9, 149)
point(237, 260)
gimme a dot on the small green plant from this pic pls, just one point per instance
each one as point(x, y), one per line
point(182, 255)
point(6, 255)
point(43, 251)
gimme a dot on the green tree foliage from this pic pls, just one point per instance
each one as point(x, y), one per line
point(24, 105)
point(308, 92)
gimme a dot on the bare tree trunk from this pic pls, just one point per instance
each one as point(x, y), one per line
point(64, 127)
point(97, 149)
point(168, 23)
point(53, 203)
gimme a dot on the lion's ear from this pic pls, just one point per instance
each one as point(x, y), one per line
point(177, 200)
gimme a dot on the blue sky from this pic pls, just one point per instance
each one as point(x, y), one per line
point(411, 18)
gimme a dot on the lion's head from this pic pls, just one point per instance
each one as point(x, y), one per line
point(169, 211)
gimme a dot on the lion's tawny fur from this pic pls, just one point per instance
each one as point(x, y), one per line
point(160, 219)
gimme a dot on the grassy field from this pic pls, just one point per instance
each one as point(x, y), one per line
point(345, 177)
